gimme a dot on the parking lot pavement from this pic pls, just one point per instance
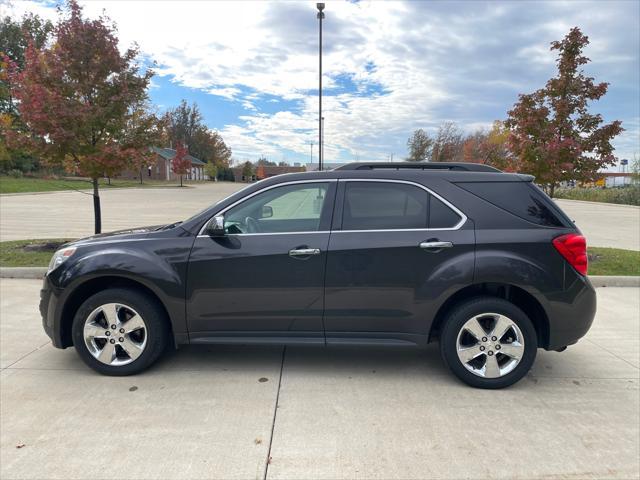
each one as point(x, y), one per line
point(70, 214)
point(605, 224)
point(220, 412)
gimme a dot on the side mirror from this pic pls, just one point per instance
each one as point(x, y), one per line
point(267, 211)
point(215, 227)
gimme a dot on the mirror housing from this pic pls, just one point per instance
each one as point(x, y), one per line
point(267, 212)
point(215, 226)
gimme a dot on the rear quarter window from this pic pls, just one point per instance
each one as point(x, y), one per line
point(518, 198)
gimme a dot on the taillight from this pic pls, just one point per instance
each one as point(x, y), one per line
point(573, 248)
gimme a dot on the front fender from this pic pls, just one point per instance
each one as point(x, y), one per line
point(160, 270)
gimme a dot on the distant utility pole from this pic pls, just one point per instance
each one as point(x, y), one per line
point(320, 7)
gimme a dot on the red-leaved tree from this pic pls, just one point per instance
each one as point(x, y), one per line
point(180, 163)
point(552, 132)
point(77, 98)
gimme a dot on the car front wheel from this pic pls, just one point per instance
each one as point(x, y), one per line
point(120, 332)
point(488, 342)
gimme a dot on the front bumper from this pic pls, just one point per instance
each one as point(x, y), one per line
point(48, 308)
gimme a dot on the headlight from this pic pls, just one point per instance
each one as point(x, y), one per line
point(60, 257)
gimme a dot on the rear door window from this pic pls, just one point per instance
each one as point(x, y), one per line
point(384, 206)
point(394, 206)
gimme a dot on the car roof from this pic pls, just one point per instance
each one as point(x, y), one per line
point(409, 174)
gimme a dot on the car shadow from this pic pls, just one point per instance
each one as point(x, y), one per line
point(319, 360)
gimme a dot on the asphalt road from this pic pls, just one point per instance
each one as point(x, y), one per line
point(221, 412)
point(70, 214)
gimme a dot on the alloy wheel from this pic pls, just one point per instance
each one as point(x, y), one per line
point(115, 334)
point(490, 345)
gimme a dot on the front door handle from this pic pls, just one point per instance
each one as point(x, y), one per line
point(304, 252)
point(435, 246)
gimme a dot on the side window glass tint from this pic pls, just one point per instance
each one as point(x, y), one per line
point(441, 215)
point(518, 198)
point(384, 205)
point(290, 208)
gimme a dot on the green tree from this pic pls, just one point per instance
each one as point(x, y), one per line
point(15, 36)
point(419, 145)
point(448, 144)
point(635, 169)
point(552, 133)
point(262, 161)
point(211, 169)
point(77, 98)
point(184, 124)
point(247, 170)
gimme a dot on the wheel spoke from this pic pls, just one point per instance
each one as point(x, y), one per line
point(514, 350)
point(469, 353)
point(110, 311)
point(134, 323)
point(108, 353)
point(475, 329)
point(491, 367)
point(501, 326)
point(94, 331)
point(133, 349)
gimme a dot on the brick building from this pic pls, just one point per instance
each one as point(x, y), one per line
point(160, 168)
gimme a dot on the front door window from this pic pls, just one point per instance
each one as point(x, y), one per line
point(286, 209)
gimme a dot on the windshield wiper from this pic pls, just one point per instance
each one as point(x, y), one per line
point(171, 225)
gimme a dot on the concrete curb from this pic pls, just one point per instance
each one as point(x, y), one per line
point(596, 280)
point(614, 281)
point(23, 272)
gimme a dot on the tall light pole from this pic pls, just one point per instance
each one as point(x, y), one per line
point(322, 144)
point(320, 7)
point(311, 156)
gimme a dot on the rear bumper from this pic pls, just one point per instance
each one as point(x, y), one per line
point(572, 312)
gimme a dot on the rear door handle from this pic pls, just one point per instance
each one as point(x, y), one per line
point(435, 246)
point(304, 252)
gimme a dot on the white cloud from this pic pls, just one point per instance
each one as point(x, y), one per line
point(409, 64)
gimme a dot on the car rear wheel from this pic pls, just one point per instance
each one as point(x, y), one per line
point(120, 332)
point(488, 342)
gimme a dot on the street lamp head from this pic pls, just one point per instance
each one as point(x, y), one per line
point(320, 6)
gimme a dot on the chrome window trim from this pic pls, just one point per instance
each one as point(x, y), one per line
point(284, 184)
point(463, 217)
point(457, 226)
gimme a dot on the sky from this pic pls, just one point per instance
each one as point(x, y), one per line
point(388, 67)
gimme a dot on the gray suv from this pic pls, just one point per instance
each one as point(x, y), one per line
point(371, 253)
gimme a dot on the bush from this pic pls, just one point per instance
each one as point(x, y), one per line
point(226, 174)
point(15, 173)
point(629, 195)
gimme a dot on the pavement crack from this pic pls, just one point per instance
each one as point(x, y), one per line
point(275, 414)
point(26, 355)
point(609, 351)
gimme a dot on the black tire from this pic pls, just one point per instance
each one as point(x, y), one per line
point(477, 306)
point(155, 320)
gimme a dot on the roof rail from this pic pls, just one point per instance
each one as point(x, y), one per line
point(456, 166)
